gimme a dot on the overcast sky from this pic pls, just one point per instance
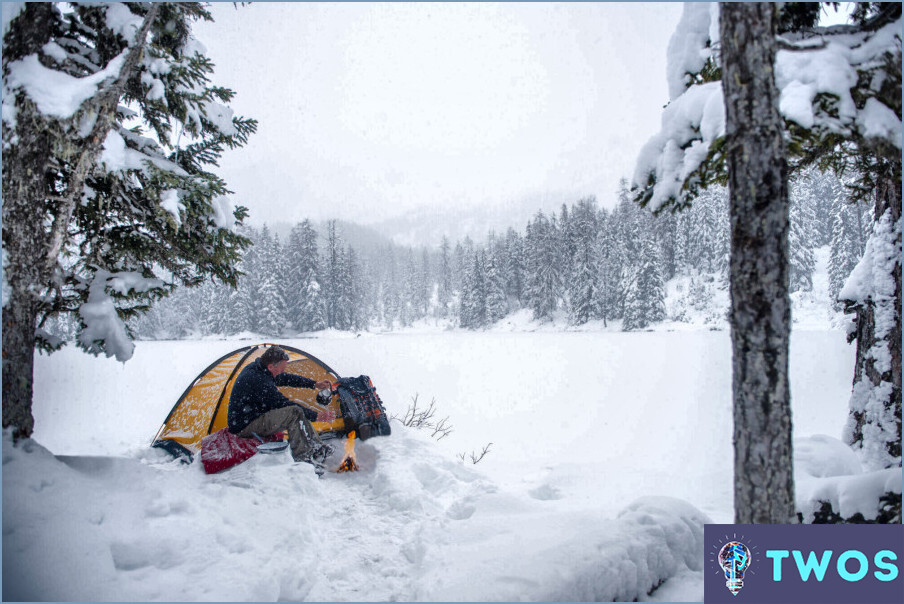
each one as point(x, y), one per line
point(370, 111)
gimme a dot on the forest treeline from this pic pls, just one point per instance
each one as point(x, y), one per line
point(584, 262)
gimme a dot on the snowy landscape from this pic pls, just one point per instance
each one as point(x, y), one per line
point(574, 345)
point(609, 452)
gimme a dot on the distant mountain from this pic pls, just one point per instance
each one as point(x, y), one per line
point(427, 226)
point(364, 239)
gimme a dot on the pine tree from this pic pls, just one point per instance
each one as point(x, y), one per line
point(496, 300)
point(389, 289)
point(544, 267)
point(478, 296)
point(303, 292)
point(269, 305)
point(312, 309)
point(424, 288)
point(844, 250)
point(513, 268)
point(683, 241)
point(801, 237)
point(603, 298)
point(331, 262)
point(584, 280)
point(100, 219)
point(645, 292)
point(444, 292)
point(409, 304)
point(344, 313)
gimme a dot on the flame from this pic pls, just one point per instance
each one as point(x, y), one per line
point(348, 462)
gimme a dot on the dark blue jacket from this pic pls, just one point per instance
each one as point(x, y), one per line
point(255, 392)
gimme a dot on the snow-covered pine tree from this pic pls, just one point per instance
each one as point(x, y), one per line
point(584, 278)
point(409, 311)
point(478, 298)
point(104, 211)
point(723, 233)
point(362, 291)
point(241, 302)
point(544, 267)
point(683, 242)
point(238, 318)
point(566, 246)
point(306, 309)
point(873, 292)
point(444, 290)
point(627, 231)
point(802, 236)
point(389, 289)
point(467, 291)
point(645, 292)
point(666, 232)
point(345, 311)
point(269, 306)
point(494, 283)
point(822, 194)
point(424, 284)
point(705, 225)
point(605, 269)
point(844, 247)
point(513, 270)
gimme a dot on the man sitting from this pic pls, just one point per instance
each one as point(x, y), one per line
point(256, 406)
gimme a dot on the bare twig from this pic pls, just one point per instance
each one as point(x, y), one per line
point(423, 419)
point(475, 458)
point(441, 429)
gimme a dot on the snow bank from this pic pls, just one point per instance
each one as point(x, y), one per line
point(411, 525)
point(827, 470)
point(582, 424)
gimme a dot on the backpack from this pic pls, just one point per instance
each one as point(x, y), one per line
point(361, 407)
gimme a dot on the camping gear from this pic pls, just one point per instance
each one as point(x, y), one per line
point(202, 408)
point(361, 407)
point(273, 447)
point(223, 449)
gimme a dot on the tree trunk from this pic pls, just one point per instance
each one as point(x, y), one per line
point(760, 304)
point(877, 387)
point(31, 252)
point(24, 242)
point(25, 186)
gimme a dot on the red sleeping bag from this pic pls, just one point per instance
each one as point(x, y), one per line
point(222, 449)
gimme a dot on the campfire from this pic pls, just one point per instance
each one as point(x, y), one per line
point(349, 464)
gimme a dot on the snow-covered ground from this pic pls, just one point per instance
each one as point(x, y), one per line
point(610, 451)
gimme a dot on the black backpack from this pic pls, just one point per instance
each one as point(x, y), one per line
point(361, 407)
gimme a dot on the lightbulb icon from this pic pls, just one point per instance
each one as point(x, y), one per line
point(734, 558)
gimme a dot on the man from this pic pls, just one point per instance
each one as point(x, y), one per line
point(256, 406)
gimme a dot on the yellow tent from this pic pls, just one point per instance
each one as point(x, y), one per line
point(202, 409)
